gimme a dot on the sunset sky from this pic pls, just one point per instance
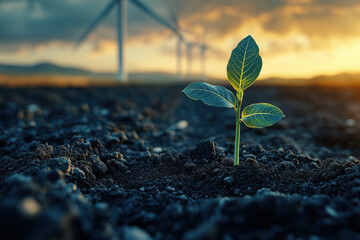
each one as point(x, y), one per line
point(297, 38)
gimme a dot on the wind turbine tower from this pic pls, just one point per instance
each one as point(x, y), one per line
point(179, 41)
point(122, 74)
point(204, 47)
point(121, 5)
point(189, 56)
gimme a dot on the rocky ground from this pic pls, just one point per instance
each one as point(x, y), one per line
point(145, 162)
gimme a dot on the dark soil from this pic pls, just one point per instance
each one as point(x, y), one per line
point(145, 162)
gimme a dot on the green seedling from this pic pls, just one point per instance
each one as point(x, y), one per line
point(243, 68)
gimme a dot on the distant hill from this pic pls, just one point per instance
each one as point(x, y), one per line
point(46, 69)
point(54, 69)
point(343, 79)
point(50, 68)
point(41, 68)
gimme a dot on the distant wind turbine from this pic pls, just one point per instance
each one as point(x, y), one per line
point(180, 40)
point(189, 46)
point(203, 49)
point(122, 74)
point(189, 57)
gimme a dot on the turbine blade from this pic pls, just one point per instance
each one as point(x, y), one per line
point(96, 22)
point(214, 50)
point(154, 15)
point(175, 20)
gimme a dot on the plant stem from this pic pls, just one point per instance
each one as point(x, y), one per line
point(237, 131)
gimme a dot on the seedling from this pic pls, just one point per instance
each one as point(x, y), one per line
point(243, 68)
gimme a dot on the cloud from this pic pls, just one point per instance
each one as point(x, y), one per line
point(315, 21)
point(64, 21)
point(284, 24)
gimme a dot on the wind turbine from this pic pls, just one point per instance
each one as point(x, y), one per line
point(189, 46)
point(179, 41)
point(203, 49)
point(122, 74)
point(189, 57)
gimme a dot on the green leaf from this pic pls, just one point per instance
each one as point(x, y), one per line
point(216, 96)
point(244, 65)
point(261, 115)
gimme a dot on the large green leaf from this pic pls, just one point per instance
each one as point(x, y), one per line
point(216, 96)
point(245, 64)
point(261, 115)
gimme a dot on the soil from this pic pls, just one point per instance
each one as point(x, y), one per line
point(145, 162)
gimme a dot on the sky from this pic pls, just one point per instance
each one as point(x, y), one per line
point(297, 38)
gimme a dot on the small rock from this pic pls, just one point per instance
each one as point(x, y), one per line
point(61, 163)
point(252, 162)
point(236, 191)
point(227, 161)
point(170, 189)
point(121, 135)
point(190, 165)
point(85, 108)
point(314, 165)
point(116, 165)
point(77, 174)
point(229, 180)
point(289, 156)
point(112, 140)
point(44, 151)
point(157, 150)
point(55, 175)
point(350, 122)
point(183, 197)
point(205, 149)
point(131, 233)
point(252, 156)
point(216, 170)
point(263, 159)
point(181, 125)
point(266, 192)
point(329, 210)
point(286, 165)
point(99, 168)
point(29, 207)
point(112, 155)
point(32, 108)
point(296, 161)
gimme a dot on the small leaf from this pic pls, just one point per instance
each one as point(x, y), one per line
point(245, 64)
point(261, 115)
point(217, 96)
